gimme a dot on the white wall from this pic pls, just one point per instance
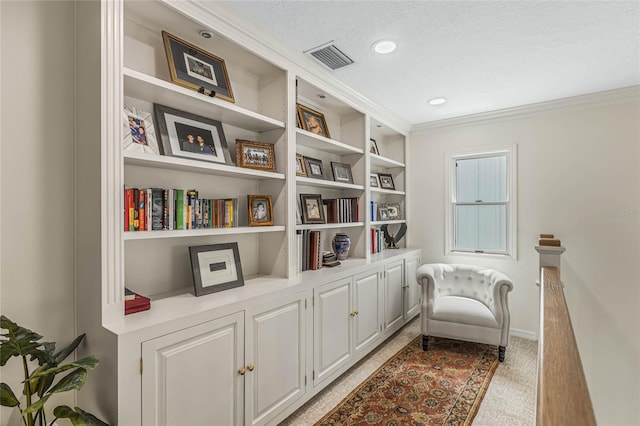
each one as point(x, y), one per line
point(577, 167)
point(36, 176)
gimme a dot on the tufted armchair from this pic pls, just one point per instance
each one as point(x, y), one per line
point(465, 302)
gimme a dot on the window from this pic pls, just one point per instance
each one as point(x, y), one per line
point(482, 215)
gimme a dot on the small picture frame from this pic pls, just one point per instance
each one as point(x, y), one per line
point(255, 155)
point(383, 213)
point(197, 69)
point(373, 147)
point(191, 136)
point(138, 132)
point(312, 208)
point(314, 167)
point(260, 210)
point(301, 170)
point(374, 182)
point(394, 210)
point(313, 121)
point(215, 267)
point(386, 181)
point(341, 172)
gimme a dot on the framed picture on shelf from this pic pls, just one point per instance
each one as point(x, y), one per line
point(374, 182)
point(394, 210)
point(191, 136)
point(197, 69)
point(255, 155)
point(373, 147)
point(260, 210)
point(313, 121)
point(383, 213)
point(138, 133)
point(386, 181)
point(301, 170)
point(312, 208)
point(341, 172)
point(314, 167)
point(215, 267)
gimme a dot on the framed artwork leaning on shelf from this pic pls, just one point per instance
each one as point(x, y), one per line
point(394, 210)
point(374, 182)
point(341, 172)
point(301, 170)
point(386, 181)
point(313, 121)
point(312, 208)
point(215, 267)
point(260, 210)
point(255, 155)
point(383, 213)
point(373, 147)
point(138, 132)
point(314, 167)
point(191, 136)
point(197, 69)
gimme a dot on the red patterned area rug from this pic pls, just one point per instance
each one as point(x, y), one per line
point(442, 386)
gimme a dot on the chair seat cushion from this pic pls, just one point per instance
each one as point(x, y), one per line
point(463, 310)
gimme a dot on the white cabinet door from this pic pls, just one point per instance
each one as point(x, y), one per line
point(393, 274)
point(368, 308)
point(332, 328)
point(191, 377)
point(411, 288)
point(275, 357)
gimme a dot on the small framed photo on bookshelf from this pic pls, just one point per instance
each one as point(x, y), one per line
point(197, 69)
point(301, 170)
point(260, 210)
point(341, 172)
point(386, 181)
point(191, 136)
point(312, 208)
point(215, 267)
point(255, 155)
point(383, 213)
point(374, 182)
point(373, 147)
point(138, 133)
point(314, 167)
point(394, 210)
point(313, 121)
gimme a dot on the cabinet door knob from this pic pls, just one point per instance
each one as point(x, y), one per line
point(353, 314)
point(241, 371)
point(250, 367)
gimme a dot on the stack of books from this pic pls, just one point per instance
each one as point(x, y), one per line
point(134, 302)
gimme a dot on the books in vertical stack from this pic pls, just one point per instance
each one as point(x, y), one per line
point(134, 302)
point(311, 249)
point(341, 210)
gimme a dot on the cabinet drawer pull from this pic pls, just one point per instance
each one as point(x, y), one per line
point(250, 367)
point(241, 371)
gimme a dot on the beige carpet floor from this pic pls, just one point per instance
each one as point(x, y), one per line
point(510, 399)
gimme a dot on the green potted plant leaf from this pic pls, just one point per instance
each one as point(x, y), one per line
point(40, 384)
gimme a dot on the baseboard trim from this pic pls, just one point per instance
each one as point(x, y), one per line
point(525, 334)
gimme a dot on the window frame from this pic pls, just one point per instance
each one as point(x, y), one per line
point(511, 203)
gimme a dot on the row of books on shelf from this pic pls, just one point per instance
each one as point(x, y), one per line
point(134, 302)
point(341, 210)
point(310, 245)
point(377, 240)
point(156, 209)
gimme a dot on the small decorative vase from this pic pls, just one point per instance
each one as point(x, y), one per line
point(341, 244)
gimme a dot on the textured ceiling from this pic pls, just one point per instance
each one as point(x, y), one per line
point(480, 55)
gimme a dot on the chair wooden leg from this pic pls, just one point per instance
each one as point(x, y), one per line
point(425, 342)
point(501, 352)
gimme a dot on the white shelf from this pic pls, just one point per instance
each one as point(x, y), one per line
point(142, 86)
point(322, 183)
point(386, 191)
point(187, 165)
point(311, 140)
point(150, 235)
point(377, 160)
point(387, 222)
point(329, 225)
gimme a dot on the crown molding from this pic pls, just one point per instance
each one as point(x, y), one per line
point(607, 97)
point(223, 20)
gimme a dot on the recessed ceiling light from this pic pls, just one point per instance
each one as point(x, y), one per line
point(206, 34)
point(384, 46)
point(322, 95)
point(437, 101)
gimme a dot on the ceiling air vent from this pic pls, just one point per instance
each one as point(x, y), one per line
point(330, 56)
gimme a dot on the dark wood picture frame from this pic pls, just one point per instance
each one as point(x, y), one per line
point(312, 208)
point(315, 168)
point(197, 69)
point(255, 155)
point(313, 121)
point(341, 172)
point(301, 169)
point(386, 181)
point(260, 210)
point(215, 267)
